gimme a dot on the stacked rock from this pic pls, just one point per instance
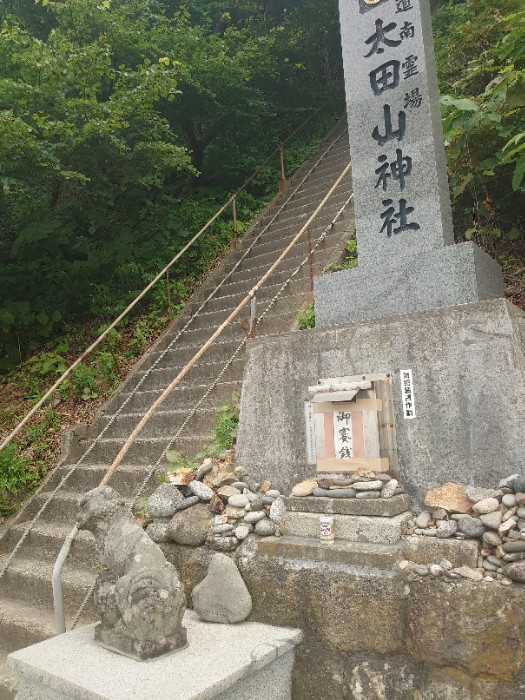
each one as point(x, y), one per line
point(495, 517)
point(356, 485)
point(214, 507)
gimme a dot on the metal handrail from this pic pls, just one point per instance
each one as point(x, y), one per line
point(231, 201)
point(57, 570)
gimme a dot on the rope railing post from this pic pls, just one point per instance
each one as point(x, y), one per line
point(71, 390)
point(282, 183)
point(168, 290)
point(235, 225)
point(310, 261)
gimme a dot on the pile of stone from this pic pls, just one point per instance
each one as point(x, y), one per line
point(360, 484)
point(495, 517)
point(213, 506)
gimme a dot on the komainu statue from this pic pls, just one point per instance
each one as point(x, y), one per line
point(138, 595)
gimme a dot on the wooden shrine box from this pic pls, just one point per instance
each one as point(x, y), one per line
point(350, 424)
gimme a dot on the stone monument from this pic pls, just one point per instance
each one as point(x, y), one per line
point(425, 313)
point(407, 260)
point(138, 595)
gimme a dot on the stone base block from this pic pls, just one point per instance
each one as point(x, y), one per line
point(356, 528)
point(455, 274)
point(227, 662)
point(430, 550)
point(468, 367)
point(386, 507)
point(366, 555)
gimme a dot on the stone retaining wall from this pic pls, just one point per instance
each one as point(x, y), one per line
point(383, 637)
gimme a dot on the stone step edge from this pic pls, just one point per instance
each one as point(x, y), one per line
point(356, 528)
point(373, 507)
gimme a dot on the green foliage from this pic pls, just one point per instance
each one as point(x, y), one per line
point(177, 461)
point(481, 57)
point(349, 256)
point(122, 124)
point(226, 424)
point(15, 477)
point(306, 317)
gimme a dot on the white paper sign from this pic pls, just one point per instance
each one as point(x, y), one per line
point(407, 393)
point(311, 456)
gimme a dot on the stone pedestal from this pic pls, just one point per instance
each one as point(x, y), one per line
point(227, 662)
point(468, 368)
point(455, 274)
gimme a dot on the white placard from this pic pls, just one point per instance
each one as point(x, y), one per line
point(311, 456)
point(407, 393)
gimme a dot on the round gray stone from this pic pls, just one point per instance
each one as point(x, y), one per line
point(187, 503)
point(515, 571)
point(487, 505)
point(265, 528)
point(222, 596)
point(335, 493)
point(238, 501)
point(190, 527)
point(221, 529)
point(157, 531)
point(423, 519)
point(389, 488)
point(163, 501)
point(277, 510)
point(222, 544)
point(518, 485)
point(199, 489)
point(241, 532)
point(255, 517)
point(471, 527)
point(446, 528)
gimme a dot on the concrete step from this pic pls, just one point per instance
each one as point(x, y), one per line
point(233, 331)
point(298, 286)
point(165, 423)
point(283, 237)
point(30, 582)
point(46, 539)
point(165, 373)
point(22, 624)
point(143, 450)
point(300, 211)
point(8, 679)
point(383, 507)
point(213, 319)
point(356, 528)
point(361, 554)
point(221, 351)
point(88, 476)
point(322, 256)
point(181, 397)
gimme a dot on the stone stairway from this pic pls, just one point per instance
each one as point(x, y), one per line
point(26, 606)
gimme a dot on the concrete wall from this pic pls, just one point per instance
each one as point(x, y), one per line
point(468, 366)
point(384, 637)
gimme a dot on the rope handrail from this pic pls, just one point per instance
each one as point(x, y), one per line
point(184, 371)
point(57, 590)
point(231, 201)
point(57, 583)
point(168, 348)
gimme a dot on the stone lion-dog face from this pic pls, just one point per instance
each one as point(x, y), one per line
point(138, 595)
